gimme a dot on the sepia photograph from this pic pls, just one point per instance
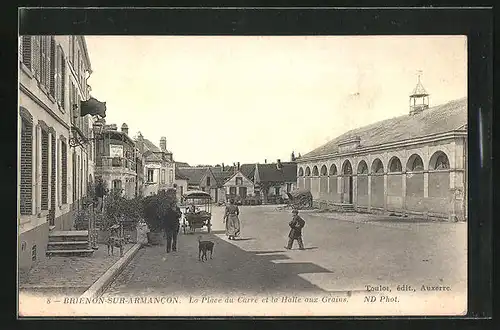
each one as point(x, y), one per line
point(242, 175)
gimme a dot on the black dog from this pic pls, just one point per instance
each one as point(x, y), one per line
point(203, 247)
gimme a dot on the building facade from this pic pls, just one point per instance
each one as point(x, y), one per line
point(273, 181)
point(116, 160)
point(413, 164)
point(159, 166)
point(54, 157)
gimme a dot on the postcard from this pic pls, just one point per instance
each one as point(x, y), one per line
point(242, 175)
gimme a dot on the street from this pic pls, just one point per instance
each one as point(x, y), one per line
point(344, 252)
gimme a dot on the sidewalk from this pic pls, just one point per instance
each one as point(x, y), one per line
point(68, 275)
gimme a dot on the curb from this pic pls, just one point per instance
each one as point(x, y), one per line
point(110, 275)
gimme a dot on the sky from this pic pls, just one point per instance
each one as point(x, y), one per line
point(248, 99)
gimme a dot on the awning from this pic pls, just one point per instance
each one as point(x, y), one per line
point(93, 107)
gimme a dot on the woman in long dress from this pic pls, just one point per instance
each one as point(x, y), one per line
point(231, 217)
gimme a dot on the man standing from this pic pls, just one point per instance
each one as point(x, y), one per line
point(296, 226)
point(172, 226)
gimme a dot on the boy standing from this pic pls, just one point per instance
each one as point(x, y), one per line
point(296, 226)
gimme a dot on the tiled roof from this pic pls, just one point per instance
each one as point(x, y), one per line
point(248, 170)
point(193, 174)
point(221, 176)
point(181, 164)
point(152, 157)
point(179, 175)
point(270, 172)
point(148, 145)
point(439, 119)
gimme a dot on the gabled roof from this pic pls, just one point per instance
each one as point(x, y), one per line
point(248, 170)
point(151, 156)
point(193, 174)
point(235, 173)
point(444, 118)
point(221, 176)
point(148, 145)
point(271, 173)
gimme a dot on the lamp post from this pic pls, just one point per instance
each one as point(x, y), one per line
point(97, 135)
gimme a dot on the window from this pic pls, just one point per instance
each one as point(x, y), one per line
point(59, 64)
point(26, 174)
point(26, 51)
point(64, 173)
point(288, 187)
point(117, 184)
point(52, 178)
point(277, 190)
point(52, 67)
point(239, 181)
point(232, 190)
point(150, 175)
point(171, 176)
point(162, 176)
point(33, 253)
point(45, 170)
point(45, 63)
point(208, 181)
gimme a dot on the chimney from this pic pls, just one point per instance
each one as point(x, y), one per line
point(222, 167)
point(279, 166)
point(163, 144)
point(238, 166)
point(125, 128)
point(265, 161)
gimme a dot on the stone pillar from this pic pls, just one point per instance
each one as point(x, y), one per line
point(403, 192)
point(355, 191)
point(426, 184)
point(369, 192)
point(385, 191)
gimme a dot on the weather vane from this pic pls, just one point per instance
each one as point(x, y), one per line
point(419, 73)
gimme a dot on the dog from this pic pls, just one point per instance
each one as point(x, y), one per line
point(113, 242)
point(203, 248)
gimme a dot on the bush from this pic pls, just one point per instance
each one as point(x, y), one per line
point(154, 208)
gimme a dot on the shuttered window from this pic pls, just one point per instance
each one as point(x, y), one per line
point(60, 77)
point(62, 63)
point(36, 58)
point(64, 173)
point(52, 66)
point(26, 51)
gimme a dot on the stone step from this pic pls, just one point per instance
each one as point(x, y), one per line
point(70, 253)
point(68, 236)
point(69, 233)
point(69, 245)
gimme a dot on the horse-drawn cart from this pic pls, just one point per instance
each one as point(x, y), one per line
point(194, 217)
point(300, 199)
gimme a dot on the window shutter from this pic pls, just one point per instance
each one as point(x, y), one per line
point(26, 42)
point(52, 66)
point(57, 64)
point(48, 65)
point(63, 79)
point(42, 60)
point(35, 55)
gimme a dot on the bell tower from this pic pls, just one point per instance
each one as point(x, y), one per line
point(419, 98)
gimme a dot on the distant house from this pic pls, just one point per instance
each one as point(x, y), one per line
point(238, 186)
point(193, 175)
point(213, 181)
point(273, 181)
point(159, 167)
point(181, 183)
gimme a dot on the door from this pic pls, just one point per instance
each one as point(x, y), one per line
point(216, 195)
point(243, 192)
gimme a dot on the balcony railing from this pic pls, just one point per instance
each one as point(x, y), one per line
point(118, 162)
